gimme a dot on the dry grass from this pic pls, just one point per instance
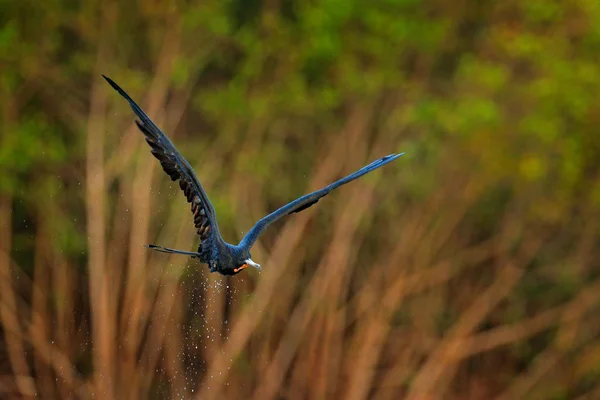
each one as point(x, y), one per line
point(335, 314)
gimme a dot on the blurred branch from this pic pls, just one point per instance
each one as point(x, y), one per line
point(428, 377)
point(13, 331)
point(103, 323)
point(134, 313)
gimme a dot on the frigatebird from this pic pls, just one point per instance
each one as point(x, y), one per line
point(222, 257)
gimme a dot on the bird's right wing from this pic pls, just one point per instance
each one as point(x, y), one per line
point(308, 200)
point(177, 168)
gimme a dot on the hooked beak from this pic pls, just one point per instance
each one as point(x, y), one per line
point(253, 264)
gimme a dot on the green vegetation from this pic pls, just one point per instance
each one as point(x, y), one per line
point(467, 269)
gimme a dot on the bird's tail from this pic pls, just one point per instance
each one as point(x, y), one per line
point(171, 251)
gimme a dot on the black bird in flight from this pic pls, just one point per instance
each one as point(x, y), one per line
point(220, 256)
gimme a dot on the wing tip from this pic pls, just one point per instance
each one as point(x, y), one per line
point(391, 157)
point(118, 88)
point(111, 82)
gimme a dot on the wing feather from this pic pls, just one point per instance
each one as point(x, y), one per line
point(176, 167)
point(310, 199)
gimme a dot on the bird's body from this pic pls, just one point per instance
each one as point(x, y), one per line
point(222, 257)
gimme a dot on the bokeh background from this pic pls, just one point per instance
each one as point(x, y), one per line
point(467, 269)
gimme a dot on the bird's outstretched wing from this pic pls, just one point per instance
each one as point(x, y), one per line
point(177, 168)
point(308, 200)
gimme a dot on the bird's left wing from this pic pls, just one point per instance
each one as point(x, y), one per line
point(177, 168)
point(308, 200)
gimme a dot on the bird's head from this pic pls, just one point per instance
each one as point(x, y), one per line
point(244, 260)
